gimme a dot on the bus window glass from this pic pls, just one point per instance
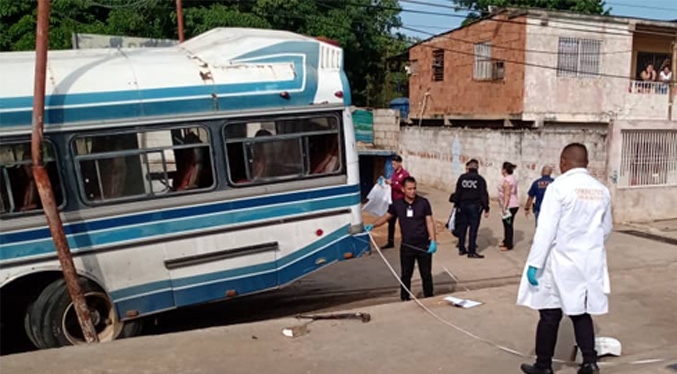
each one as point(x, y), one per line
point(144, 164)
point(266, 151)
point(18, 190)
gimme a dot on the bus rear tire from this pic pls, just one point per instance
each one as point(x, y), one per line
point(51, 320)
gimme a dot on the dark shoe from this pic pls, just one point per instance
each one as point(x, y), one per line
point(462, 252)
point(475, 255)
point(589, 369)
point(388, 245)
point(532, 369)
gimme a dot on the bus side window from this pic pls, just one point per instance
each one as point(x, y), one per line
point(143, 164)
point(268, 151)
point(18, 189)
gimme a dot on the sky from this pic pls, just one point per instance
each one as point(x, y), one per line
point(427, 24)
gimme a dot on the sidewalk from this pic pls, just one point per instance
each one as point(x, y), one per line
point(402, 338)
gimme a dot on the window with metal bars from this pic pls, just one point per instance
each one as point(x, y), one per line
point(484, 68)
point(648, 158)
point(117, 166)
point(438, 65)
point(578, 57)
point(18, 188)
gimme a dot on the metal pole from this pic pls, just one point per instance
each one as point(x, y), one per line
point(179, 19)
point(42, 178)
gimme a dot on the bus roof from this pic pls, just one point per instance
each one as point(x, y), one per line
point(222, 70)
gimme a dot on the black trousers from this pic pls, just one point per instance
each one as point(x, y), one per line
point(546, 336)
point(470, 215)
point(508, 229)
point(391, 230)
point(408, 256)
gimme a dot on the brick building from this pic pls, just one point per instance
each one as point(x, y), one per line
point(540, 79)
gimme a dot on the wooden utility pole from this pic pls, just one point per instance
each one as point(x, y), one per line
point(42, 178)
point(179, 19)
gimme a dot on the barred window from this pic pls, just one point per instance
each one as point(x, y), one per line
point(18, 190)
point(123, 166)
point(483, 67)
point(438, 65)
point(648, 158)
point(282, 149)
point(578, 57)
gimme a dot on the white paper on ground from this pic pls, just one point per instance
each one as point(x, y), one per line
point(462, 303)
point(379, 200)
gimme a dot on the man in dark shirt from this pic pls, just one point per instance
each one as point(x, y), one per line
point(537, 191)
point(418, 236)
point(471, 198)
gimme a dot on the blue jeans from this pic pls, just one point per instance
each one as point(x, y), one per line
point(536, 212)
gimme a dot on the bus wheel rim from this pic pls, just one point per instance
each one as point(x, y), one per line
point(103, 317)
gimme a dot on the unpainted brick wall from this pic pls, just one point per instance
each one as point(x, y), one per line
point(436, 156)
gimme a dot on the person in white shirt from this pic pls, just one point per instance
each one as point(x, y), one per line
point(666, 74)
point(566, 272)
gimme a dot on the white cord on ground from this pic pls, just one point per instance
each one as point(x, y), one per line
point(484, 340)
point(454, 278)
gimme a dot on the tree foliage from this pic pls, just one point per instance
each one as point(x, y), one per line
point(480, 8)
point(362, 29)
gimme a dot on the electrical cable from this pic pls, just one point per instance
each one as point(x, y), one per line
point(485, 340)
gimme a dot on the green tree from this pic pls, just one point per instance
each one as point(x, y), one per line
point(480, 8)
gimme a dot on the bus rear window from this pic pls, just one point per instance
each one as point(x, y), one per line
point(18, 191)
point(143, 164)
point(268, 151)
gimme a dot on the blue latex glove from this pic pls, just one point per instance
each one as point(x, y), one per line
point(531, 275)
point(433, 247)
point(368, 228)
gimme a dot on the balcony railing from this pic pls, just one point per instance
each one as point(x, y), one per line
point(655, 88)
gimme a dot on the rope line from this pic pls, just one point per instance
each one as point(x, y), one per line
point(488, 341)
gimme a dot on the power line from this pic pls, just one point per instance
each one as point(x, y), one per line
point(622, 32)
point(447, 36)
point(641, 6)
point(524, 63)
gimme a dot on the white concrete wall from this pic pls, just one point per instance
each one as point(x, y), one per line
point(386, 128)
point(437, 156)
point(576, 99)
point(638, 204)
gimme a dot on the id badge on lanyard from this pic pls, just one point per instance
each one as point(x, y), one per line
point(410, 212)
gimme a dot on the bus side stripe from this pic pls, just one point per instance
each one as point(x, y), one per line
point(125, 234)
point(159, 215)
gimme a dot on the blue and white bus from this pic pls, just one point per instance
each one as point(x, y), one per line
point(221, 167)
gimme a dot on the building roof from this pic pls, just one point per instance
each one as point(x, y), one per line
point(561, 14)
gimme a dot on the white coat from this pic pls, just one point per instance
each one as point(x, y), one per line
point(568, 249)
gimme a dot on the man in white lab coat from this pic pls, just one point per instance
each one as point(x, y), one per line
point(566, 271)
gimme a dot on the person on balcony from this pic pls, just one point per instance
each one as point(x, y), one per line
point(666, 78)
point(648, 76)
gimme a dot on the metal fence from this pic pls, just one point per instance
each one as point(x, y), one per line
point(648, 158)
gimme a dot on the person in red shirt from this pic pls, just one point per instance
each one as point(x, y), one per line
point(395, 182)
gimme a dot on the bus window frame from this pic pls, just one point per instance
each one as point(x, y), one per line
point(64, 195)
point(138, 152)
point(302, 136)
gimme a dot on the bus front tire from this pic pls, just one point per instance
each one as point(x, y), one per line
point(51, 321)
